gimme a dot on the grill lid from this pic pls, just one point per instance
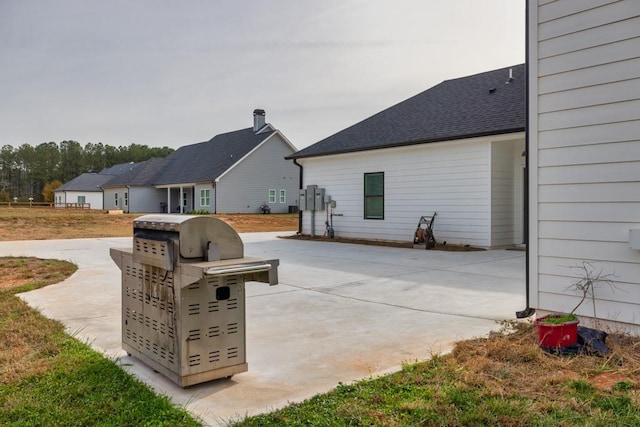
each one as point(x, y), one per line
point(200, 237)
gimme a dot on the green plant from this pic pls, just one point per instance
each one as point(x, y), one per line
point(199, 212)
point(559, 319)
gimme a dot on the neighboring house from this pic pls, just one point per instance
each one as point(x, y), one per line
point(84, 191)
point(133, 191)
point(455, 149)
point(235, 172)
point(584, 154)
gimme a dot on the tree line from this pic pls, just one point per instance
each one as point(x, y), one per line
point(26, 171)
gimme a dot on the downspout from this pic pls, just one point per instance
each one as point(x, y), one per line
point(295, 162)
point(528, 311)
point(215, 196)
point(128, 199)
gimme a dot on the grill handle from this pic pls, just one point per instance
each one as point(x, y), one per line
point(235, 269)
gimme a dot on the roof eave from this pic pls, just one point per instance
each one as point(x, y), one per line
point(407, 143)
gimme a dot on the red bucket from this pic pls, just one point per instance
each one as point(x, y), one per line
point(556, 335)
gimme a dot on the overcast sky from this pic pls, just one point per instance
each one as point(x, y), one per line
point(173, 73)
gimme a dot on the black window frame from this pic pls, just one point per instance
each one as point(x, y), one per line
point(367, 197)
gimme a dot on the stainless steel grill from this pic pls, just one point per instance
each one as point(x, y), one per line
point(183, 300)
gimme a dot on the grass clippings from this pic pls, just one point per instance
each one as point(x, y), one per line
point(504, 379)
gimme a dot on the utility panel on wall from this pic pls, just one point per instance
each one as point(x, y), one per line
point(312, 198)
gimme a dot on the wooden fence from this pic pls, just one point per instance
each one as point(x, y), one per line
point(46, 205)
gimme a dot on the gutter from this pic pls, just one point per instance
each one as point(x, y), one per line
point(409, 143)
point(527, 311)
point(295, 162)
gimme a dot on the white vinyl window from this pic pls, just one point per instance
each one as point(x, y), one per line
point(205, 197)
point(115, 203)
point(81, 200)
point(272, 196)
point(283, 196)
point(126, 199)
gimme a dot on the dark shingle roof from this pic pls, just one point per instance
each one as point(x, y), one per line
point(85, 182)
point(206, 161)
point(119, 169)
point(92, 181)
point(144, 174)
point(454, 109)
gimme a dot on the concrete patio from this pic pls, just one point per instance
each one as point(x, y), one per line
point(341, 312)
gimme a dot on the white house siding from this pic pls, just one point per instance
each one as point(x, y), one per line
point(92, 197)
point(585, 152)
point(451, 178)
point(245, 187)
point(506, 192)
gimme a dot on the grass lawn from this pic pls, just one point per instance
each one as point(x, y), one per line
point(48, 378)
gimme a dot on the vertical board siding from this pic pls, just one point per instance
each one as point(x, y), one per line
point(451, 178)
point(245, 187)
point(585, 115)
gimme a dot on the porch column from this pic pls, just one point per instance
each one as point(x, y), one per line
point(168, 200)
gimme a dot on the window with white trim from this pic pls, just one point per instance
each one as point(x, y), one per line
point(272, 196)
point(283, 196)
point(374, 195)
point(116, 200)
point(126, 199)
point(205, 197)
point(81, 200)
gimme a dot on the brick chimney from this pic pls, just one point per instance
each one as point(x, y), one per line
point(258, 120)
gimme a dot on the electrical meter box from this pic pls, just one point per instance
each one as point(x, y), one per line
point(319, 199)
point(303, 200)
point(311, 197)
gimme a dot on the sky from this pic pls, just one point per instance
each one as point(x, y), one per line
point(173, 73)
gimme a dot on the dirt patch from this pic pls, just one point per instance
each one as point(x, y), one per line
point(607, 380)
point(49, 223)
point(390, 243)
point(17, 271)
